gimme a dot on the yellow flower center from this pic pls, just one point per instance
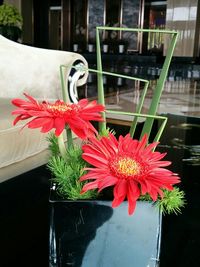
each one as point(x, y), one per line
point(125, 167)
point(59, 107)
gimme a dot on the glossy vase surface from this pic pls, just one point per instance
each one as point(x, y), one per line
point(93, 234)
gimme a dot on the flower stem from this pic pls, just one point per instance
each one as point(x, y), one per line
point(61, 146)
point(69, 138)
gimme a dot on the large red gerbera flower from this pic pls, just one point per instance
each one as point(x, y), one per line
point(130, 166)
point(48, 116)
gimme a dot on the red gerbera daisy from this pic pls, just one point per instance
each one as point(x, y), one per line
point(130, 166)
point(48, 116)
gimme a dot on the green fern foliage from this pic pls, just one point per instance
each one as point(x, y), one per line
point(66, 173)
point(172, 202)
point(53, 144)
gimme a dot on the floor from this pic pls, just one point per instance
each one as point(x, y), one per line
point(24, 206)
point(181, 98)
point(181, 93)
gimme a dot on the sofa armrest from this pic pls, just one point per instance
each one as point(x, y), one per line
point(34, 70)
point(37, 72)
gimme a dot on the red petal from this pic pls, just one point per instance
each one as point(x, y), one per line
point(154, 194)
point(117, 201)
point(144, 187)
point(33, 100)
point(95, 160)
point(131, 206)
point(109, 146)
point(89, 186)
point(141, 144)
point(80, 132)
point(18, 102)
point(156, 156)
point(107, 181)
point(89, 149)
point(59, 125)
point(83, 102)
point(148, 150)
point(20, 117)
point(48, 125)
point(36, 123)
point(133, 190)
point(120, 188)
point(100, 146)
point(93, 175)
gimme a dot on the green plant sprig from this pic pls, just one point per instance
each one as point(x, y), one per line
point(66, 172)
point(172, 201)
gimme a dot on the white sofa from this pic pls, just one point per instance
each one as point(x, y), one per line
point(37, 72)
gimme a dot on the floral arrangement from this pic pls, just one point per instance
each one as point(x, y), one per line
point(129, 167)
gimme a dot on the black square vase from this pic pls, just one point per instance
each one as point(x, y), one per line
point(93, 234)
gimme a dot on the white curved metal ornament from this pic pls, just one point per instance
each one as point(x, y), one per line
point(73, 79)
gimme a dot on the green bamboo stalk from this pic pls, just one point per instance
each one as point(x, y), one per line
point(158, 90)
point(139, 109)
point(100, 88)
point(118, 75)
point(160, 85)
point(140, 105)
point(63, 83)
point(68, 131)
point(134, 30)
point(161, 128)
